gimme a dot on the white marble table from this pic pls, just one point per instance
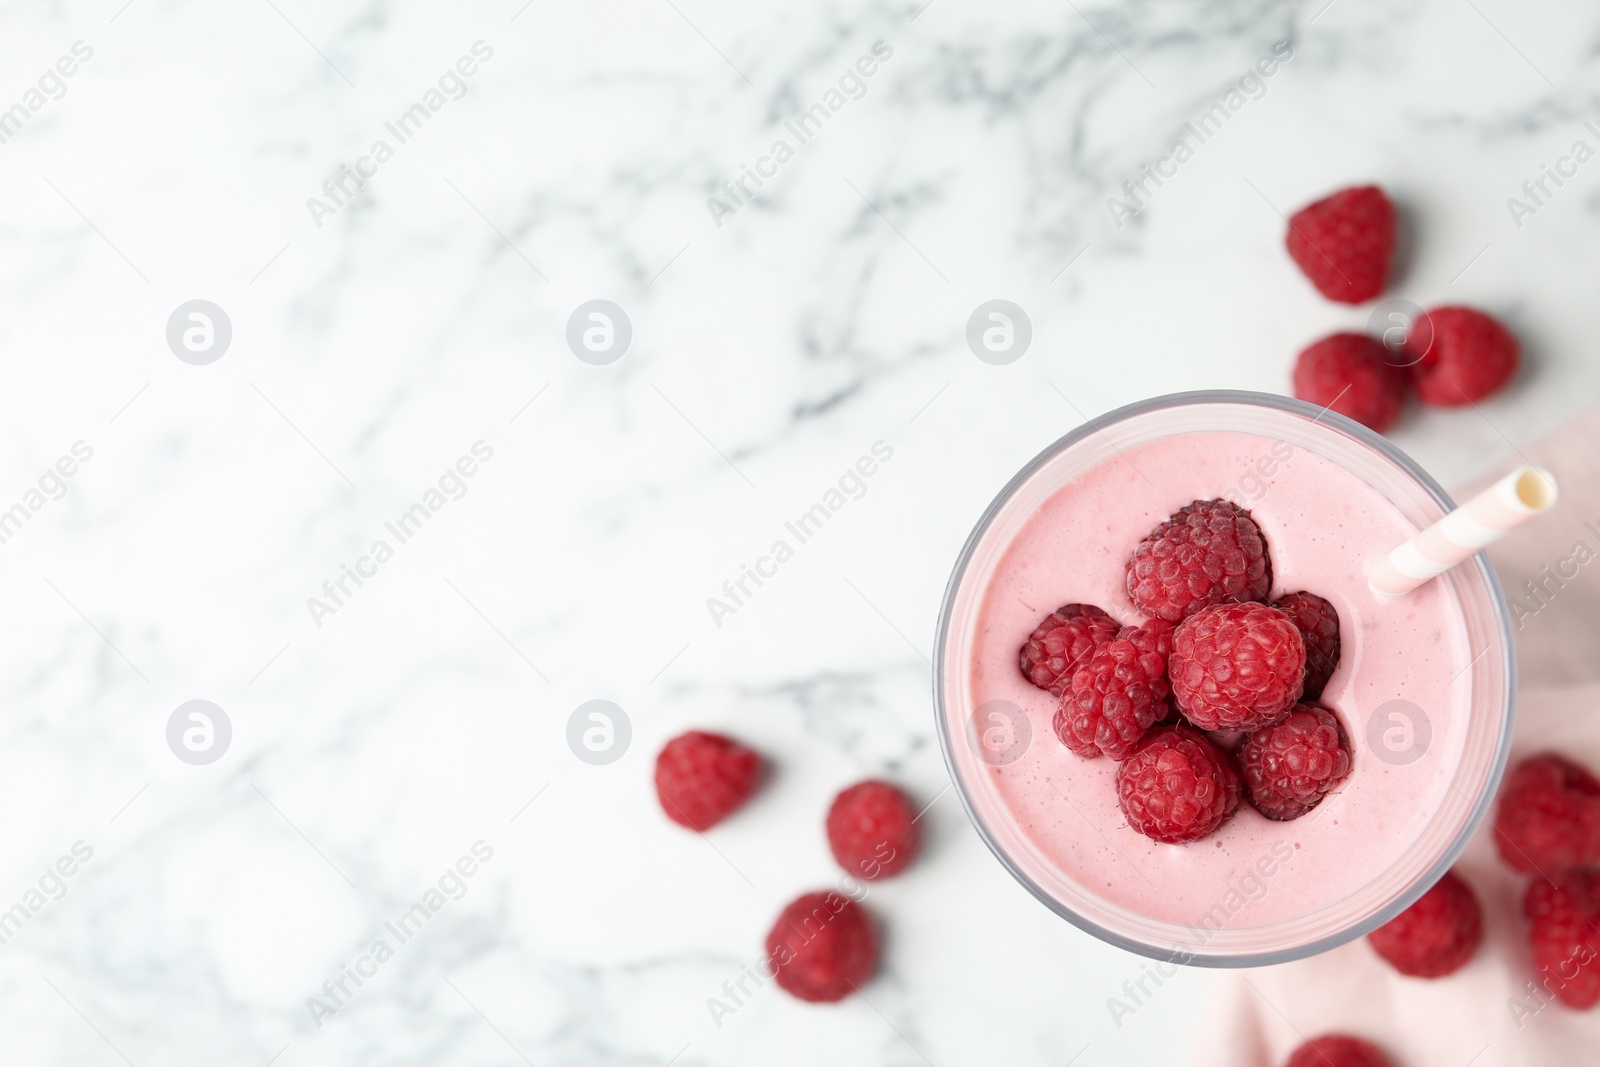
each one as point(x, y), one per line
point(379, 334)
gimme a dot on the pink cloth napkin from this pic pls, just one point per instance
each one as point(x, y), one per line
point(1484, 1014)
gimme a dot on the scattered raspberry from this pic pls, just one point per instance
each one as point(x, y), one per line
point(1344, 243)
point(1117, 696)
point(1338, 1050)
point(1290, 766)
point(822, 947)
point(1318, 624)
point(1061, 644)
point(1471, 357)
point(1237, 666)
point(1210, 552)
point(702, 778)
point(1351, 373)
point(1564, 936)
point(1549, 817)
point(1177, 786)
point(872, 830)
point(1437, 935)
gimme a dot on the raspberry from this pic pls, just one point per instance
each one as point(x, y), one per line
point(1564, 936)
point(1237, 666)
point(1549, 817)
point(1318, 624)
point(1338, 1050)
point(1118, 695)
point(702, 778)
point(1437, 935)
point(1152, 637)
point(1344, 243)
point(1351, 374)
point(1290, 766)
point(1062, 643)
point(1471, 357)
point(822, 947)
point(1210, 552)
point(1177, 786)
point(872, 830)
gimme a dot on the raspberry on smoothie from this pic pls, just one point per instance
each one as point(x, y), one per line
point(1114, 698)
point(1177, 786)
point(1062, 643)
point(1237, 666)
point(1318, 623)
point(1210, 552)
point(1290, 766)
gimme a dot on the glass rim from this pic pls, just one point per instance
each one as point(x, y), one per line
point(1479, 561)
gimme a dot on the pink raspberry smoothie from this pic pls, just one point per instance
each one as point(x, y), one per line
point(1054, 816)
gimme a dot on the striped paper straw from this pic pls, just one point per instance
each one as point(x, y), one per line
point(1481, 521)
